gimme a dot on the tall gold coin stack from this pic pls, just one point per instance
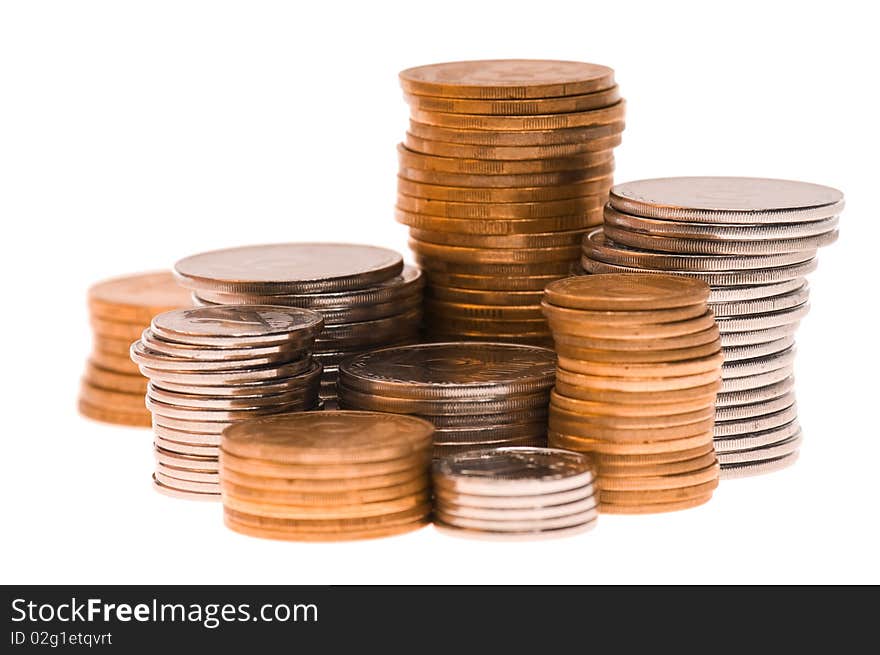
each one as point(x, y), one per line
point(753, 240)
point(112, 388)
point(326, 476)
point(505, 164)
point(639, 367)
point(368, 298)
point(477, 395)
point(212, 367)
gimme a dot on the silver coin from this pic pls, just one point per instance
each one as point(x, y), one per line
point(441, 451)
point(715, 279)
point(727, 200)
point(739, 353)
point(757, 337)
point(187, 485)
point(512, 514)
point(754, 291)
point(228, 378)
point(762, 305)
point(677, 246)
point(756, 423)
point(199, 401)
point(597, 247)
point(253, 389)
point(188, 474)
point(185, 448)
point(558, 533)
point(761, 454)
point(512, 525)
point(758, 365)
point(516, 502)
point(220, 415)
point(489, 406)
point(755, 381)
point(496, 420)
point(757, 395)
point(488, 433)
point(174, 492)
point(719, 231)
point(757, 439)
point(513, 471)
point(733, 471)
point(739, 412)
point(287, 351)
point(151, 359)
point(380, 328)
point(762, 321)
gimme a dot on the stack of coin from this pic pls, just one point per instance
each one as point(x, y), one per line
point(514, 493)
point(639, 367)
point(368, 298)
point(476, 394)
point(505, 165)
point(211, 367)
point(112, 388)
point(753, 240)
point(326, 476)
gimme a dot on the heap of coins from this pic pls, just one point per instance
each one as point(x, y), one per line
point(639, 367)
point(753, 241)
point(505, 165)
point(476, 394)
point(510, 493)
point(368, 298)
point(326, 476)
point(212, 367)
point(112, 388)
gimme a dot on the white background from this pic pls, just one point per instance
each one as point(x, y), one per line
point(132, 134)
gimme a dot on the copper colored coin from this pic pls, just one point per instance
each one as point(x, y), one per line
point(445, 259)
point(515, 153)
point(643, 497)
point(627, 410)
point(329, 498)
point(183, 448)
point(711, 363)
point(122, 382)
point(258, 467)
point(701, 338)
point(166, 410)
point(691, 478)
point(411, 159)
point(624, 317)
point(642, 469)
point(192, 462)
point(323, 486)
point(117, 330)
point(573, 176)
point(495, 195)
point(346, 535)
point(274, 373)
point(175, 492)
point(662, 384)
point(610, 114)
point(483, 312)
point(653, 459)
point(492, 405)
point(199, 401)
point(498, 226)
point(190, 475)
point(627, 292)
point(598, 137)
point(112, 346)
point(111, 399)
point(476, 296)
point(137, 298)
point(654, 508)
point(582, 444)
point(318, 513)
point(627, 357)
point(515, 107)
point(105, 415)
point(600, 419)
point(115, 363)
point(507, 78)
point(653, 331)
point(581, 429)
point(567, 384)
point(479, 282)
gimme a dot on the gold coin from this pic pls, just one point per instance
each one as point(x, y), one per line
point(516, 107)
point(539, 240)
point(654, 508)
point(653, 459)
point(637, 385)
point(626, 357)
point(502, 195)
point(137, 298)
point(610, 114)
point(464, 311)
point(324, 486)
point(647, 331)
point(504, 256)
point(174, 492)
point(640, 469)
point(479, 282)
point(117, 400)
point(580, 428)
point(410, 159)
point(660, 482)
point(626, 317)
point(347, 535)
point(580, 175)
point(312, 513)
point(328, 498)
point(695, 339)
point(644, 497)
point(569, 386)
point(581, 444)
point(497, 226)
point(506, 210)
point(626, 410)
point(600, 137)
point(477, 296)
point(610, 420)
point(114, 381)
point(627, 292)
point(276, 470)
point(507, 78)
point(517, 153)
point(711, 363)
point(131, 419)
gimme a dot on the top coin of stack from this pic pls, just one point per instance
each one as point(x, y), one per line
point(753, 240)
point(112, 388)
point(505, 165)
point(639, 367)
point(477, 395)
point(368, 298)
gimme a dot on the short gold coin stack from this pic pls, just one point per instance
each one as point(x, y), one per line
point(639, 368)
point(506, 163)
point(326, 476)
point(112, 388)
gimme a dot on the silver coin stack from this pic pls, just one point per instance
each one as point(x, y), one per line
point(368, 298)
point(514, 493)
point(752, 240)
point(211, 367)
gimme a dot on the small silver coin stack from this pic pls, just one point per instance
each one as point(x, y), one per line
point(477, 395)
point(752, 240)
point(368, 298)
point(212, 367)
point(514, 493)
